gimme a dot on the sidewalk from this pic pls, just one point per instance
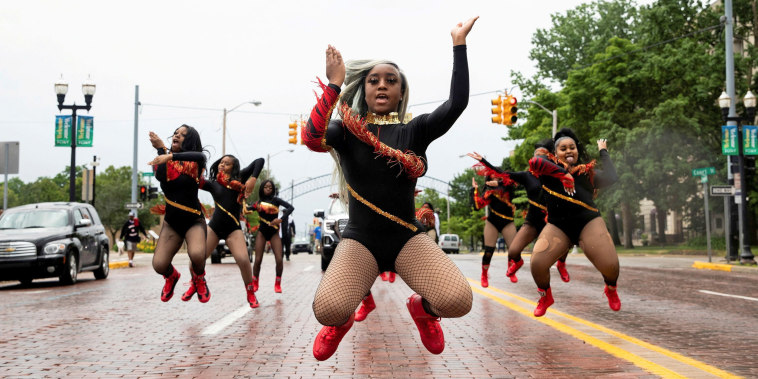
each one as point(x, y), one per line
point(122, 261)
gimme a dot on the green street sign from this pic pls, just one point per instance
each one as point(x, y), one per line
point(150, 173)
point(704, 171)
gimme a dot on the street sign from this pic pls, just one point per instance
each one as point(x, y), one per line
point(722, 190)
point(133, 205)
point(149, 173)
point(704, 171)
point(9, 149)
point(729, 145)
point(750, 139)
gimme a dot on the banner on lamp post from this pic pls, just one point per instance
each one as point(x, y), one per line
point(62, 130)
point(84, 129)
point(750, 139)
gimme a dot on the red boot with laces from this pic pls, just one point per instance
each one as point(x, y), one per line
point(278, 285)
point(428, 326)
point(328, 339)
point(561, 266)
point(190, 292)
point(251, 296)
point(485, 278)
point(203, 293)
point(168, 287)
point(384, 276)
point(546, 300)
point(513, 266)
point(613, 297)
point(392, 277)
point(367, 305)
point(255, 284)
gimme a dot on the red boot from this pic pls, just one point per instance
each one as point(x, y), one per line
point(485, 279)
point(278, 285)
point(546, 300)
point(168, 287)
point(428, 326)
point(613, 297)
point(251, 296)
point(203, 293)
point(367, 305)
point(190, 292)
point(392, 277)
point(255, 284)
point(513, 266)
point(328, 339)
point(561, 266)
point(384, 276)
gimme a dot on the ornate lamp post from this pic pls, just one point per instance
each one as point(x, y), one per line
point(88, 89)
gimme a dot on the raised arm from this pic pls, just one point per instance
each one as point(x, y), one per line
point(250, 175)
point(313, 135)
point(607, 175)
point(541, 166)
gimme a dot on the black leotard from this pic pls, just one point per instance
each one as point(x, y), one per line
point(225, 218)
point(572, 213)
point(266, 228)
point(385, 225)
point(183, 209)
point(500, 211)
point(537, 211)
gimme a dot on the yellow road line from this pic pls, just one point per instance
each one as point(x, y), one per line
point(649, 357)
point(712, 266)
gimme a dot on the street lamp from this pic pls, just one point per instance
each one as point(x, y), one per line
point(223, 142)
point(554, 113)
point(269, 156)
point(88, 89)
point(729, 115)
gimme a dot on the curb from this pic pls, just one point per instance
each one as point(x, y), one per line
point(724, 267)
point(119, 264)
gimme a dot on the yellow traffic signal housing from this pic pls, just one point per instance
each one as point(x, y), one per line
point(497, 110)
point(293, 133)
point(510, 111)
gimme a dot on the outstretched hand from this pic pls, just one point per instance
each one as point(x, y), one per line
point(249, 186)
point(156, 141)
point(335, 66)
point(461, 30)
point(161, 159)
point(602, 144)
point(473, 183)
point(476, 156)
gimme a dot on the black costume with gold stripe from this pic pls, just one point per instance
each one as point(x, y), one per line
point(226, 215)
point(183, 209)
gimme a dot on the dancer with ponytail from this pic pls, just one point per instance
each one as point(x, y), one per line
point(381, 155)
point(268, 207)
point(180, 170)
point(573, 218)
point(229, 187)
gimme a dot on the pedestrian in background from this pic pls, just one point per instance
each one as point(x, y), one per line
point(130, 235)
point(287, 232)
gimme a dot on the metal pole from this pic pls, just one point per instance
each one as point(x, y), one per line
point(134, 153)
point(555, 121)
point(94, 175)
point(223, 136)
point(727, 226)
point(72, 171)
point(707, 216)
point(268, 165)
point(7, 167)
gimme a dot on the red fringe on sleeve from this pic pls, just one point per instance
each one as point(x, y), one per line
point(313, 134)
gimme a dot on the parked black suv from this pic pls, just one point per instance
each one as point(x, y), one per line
point(335, 221)
point(52, 239)
point(222, 250)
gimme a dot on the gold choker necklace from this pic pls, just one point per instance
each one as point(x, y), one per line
point(392, 118)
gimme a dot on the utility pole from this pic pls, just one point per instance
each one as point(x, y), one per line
point(134, 153)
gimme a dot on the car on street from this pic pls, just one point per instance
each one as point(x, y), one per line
point(222, 250)
point(302, 245)
point(450, 243)
point(52, 239)
point(335, 221)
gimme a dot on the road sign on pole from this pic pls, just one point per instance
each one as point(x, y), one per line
point(133, 205)
point(703, 171)
point(149, 173)
point(722, 190)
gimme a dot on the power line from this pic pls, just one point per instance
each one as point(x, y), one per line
point(217, 109)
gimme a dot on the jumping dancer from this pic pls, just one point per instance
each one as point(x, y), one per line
point(497, 194)
point(381, 157)
point(229, 186)
point(268, 214)
point(572, 216)
point(180, 170)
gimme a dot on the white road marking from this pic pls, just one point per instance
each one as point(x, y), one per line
point(309, 268)
point(226, 321)
point(728, 295)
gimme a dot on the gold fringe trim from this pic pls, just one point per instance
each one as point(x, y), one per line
point(227, 212)
point(569, 199)
point(182, 207)
point(538, 205)
point(392, 118)
point(267, 222)
point(376, 209)
point(500, 215)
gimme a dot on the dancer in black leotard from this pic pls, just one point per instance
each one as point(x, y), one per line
point(572, 215)
point(180, 171)
point(497, 194)
point(268, 214)
point(381, 156)
point(228, 191)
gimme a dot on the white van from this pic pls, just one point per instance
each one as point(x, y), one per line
point(450, 243)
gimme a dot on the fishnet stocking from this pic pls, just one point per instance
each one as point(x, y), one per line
point(431, 274)
point(345, 283)
point(551, 244)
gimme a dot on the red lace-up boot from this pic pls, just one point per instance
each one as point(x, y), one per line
point(203, 293)
point(485, 279)
point(391, 277)
point(168, 287)
point(561, 266)
point(328, 339)
point(546, 300)
point(513, 266)
point(278, 285)
point(384, 276)
point(255, 284)
point(428, 326)
point(613, 297)
point(251, 296)
point(367, 305)
point(190, 292)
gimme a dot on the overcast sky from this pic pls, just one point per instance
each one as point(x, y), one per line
point(191, 59)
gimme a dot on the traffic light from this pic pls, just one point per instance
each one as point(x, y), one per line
point(510, 111)
point(152, 193)
point(497, 110)
point(293, 133)
point(143, 193)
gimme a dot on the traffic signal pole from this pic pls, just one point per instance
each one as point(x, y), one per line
point(134, 150)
